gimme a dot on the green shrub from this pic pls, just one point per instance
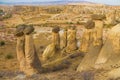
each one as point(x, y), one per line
point(7, 16)
point(2, 43)
point(78, 22)
point(1, 12)
point(9, 56)
point(69, 23)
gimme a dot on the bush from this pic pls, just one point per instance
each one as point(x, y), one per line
point(89, 24)
point(78, 22)
point(1, 12)
point(9, 56)
point(69, 23)
point(7, 16)
point(2, 43)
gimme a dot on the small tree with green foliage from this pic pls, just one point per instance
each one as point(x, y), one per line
point(1, 12)
point(2, 43)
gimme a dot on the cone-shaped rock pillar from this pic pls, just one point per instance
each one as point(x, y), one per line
point(26, 52)
point(63, 42)
point(71, 39)
point(54, 46)
point(87, 36)
point(94, 45)
point(33, 64)
point(21, 52)
point(20, 46)
point(56, 37)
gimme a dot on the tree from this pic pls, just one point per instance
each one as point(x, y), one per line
point(1, 12)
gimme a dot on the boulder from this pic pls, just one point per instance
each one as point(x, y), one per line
point(19, 30)
point(89, 24)
point(28, 29)
point(56, 29)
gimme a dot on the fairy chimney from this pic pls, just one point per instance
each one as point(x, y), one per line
point(71, 39)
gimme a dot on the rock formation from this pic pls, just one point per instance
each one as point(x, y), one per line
point(56, 37)
point(33, 64)
point(64, 39)
point(87, 36)
point(99, 24)
point(54, 46)
point(109, 57)
point(20, 46)
point(109, 54)
point(71, 39)
point(26, 53)
point(94, 43)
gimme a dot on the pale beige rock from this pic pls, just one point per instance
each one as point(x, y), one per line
point(51, 49)
point(114, 74)
point(88, 61)
point(92, 50)
point(56, 40)
point(71, 40)
point(63, 39)
point(93, 40)
point(21, 52)
point(33, 64)
point(98, 35)
point(48, 52)
point(88, 35)
point(109, 54)
point(86, 39)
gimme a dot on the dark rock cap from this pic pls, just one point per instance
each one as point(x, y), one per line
point(89, 24)
point(98, 17)
point(56, 29)
point(19, 30)
point(28, 29)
